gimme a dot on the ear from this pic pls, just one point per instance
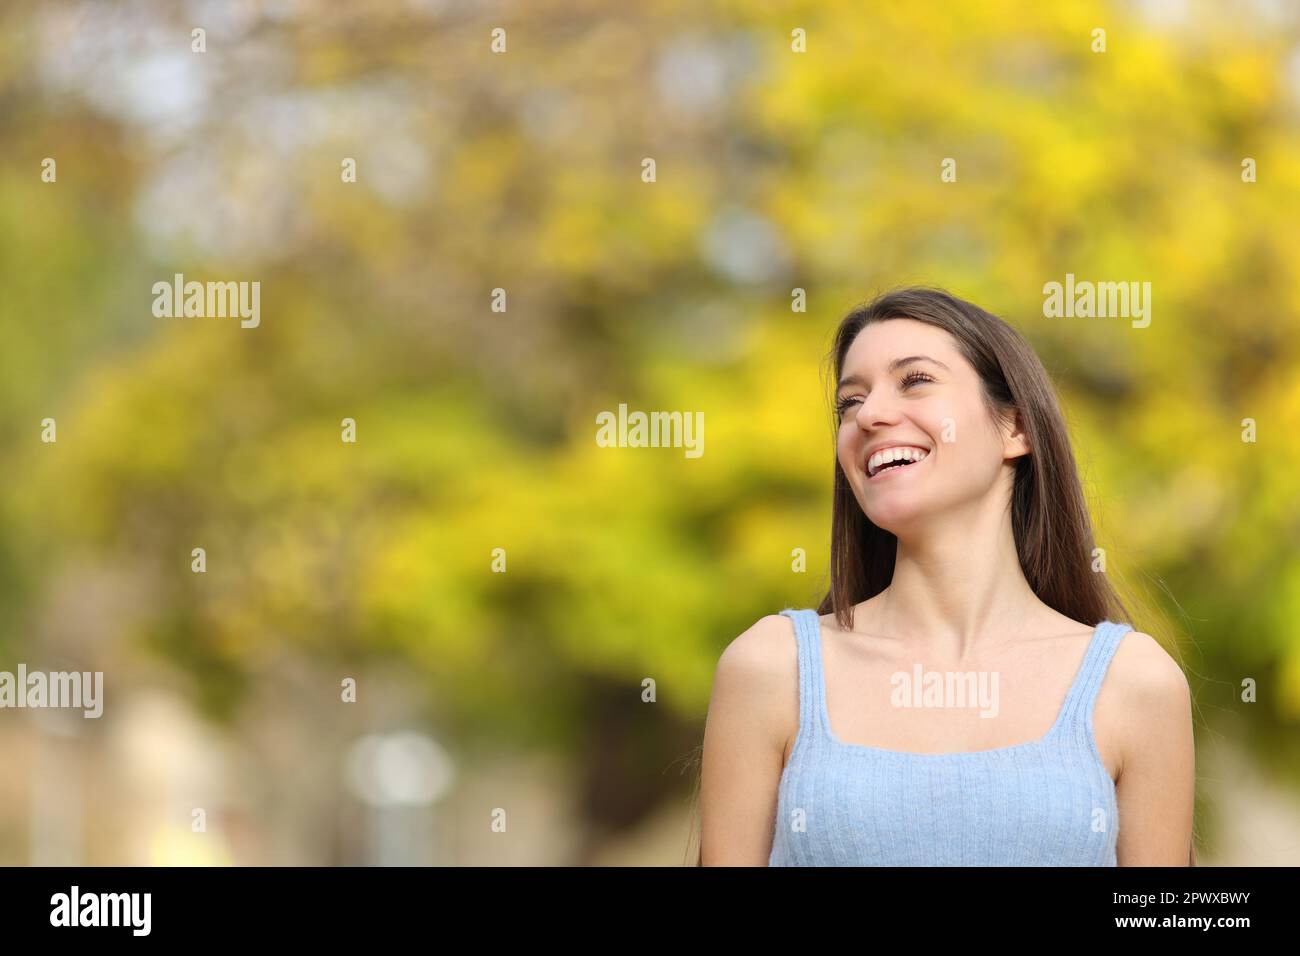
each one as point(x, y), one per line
point(1015, 440)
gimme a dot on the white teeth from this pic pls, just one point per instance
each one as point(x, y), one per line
point(898, 452)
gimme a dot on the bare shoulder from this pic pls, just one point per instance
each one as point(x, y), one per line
point(1144, 704)
point(762, 655)
point(756, 682)
point(1147, 674)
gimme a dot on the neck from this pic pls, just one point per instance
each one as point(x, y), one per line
point(957, 584)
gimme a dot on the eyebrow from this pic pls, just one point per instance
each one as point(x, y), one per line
point(894, 366)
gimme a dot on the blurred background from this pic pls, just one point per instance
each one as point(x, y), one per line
point(795, 146)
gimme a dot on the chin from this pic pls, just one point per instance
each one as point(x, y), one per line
point(894, 520)
point(893, 516)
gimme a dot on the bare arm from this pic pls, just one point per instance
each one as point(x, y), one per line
point(752, 712)
point(1157, 778)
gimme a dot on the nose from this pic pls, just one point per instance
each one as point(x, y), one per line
point(875, 411)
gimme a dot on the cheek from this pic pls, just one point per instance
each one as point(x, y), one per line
point(846, 449)
point(975, 454)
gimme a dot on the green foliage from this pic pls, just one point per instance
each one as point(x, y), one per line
point(476, 428)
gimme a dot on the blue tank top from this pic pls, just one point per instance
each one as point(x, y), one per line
point(1047, 802)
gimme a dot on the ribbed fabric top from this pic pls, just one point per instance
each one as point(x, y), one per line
point(1047, 802)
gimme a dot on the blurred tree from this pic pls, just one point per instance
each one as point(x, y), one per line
point(522, 171)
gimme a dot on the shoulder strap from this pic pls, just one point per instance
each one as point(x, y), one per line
point(812, 689)
point(1087, 682)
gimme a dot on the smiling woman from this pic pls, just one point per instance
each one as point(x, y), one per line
point(960, 543)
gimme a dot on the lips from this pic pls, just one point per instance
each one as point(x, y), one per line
point(894, 458)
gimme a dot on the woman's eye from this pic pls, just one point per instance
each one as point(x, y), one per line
point(912, 378)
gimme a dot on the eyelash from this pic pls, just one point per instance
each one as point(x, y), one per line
point(909, 379)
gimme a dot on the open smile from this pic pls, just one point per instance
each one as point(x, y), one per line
point(892, 461)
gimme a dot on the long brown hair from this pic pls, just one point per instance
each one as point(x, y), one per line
point(1049, 516)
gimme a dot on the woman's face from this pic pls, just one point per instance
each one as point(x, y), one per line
point(931, 405)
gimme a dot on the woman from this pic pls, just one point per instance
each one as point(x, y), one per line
point(967, 692)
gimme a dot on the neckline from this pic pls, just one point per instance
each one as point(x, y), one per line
point(1046, 738)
